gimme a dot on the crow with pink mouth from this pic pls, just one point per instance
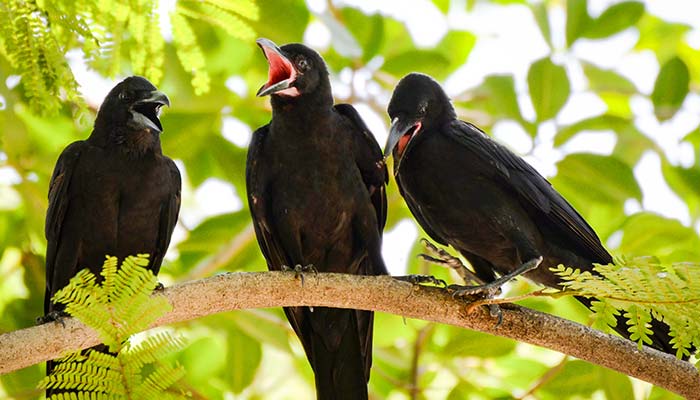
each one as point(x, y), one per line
point(469, 192)
point(114, 193)
point(315, 181)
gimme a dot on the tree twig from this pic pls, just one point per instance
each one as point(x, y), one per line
point(422, 335)
point(225, 254)
point(545, 378)
point(236, 291)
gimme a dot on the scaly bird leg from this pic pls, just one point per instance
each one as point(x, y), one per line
point(493, 288)
point(440, 257)
point(443, 258)
point(417, 279)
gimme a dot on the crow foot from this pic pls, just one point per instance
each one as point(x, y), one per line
point(420, 279)
point(53, 316)
point(299, 271)
point(443, 258)
point(489, 290)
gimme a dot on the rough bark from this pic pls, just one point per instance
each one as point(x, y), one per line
point(236, 291)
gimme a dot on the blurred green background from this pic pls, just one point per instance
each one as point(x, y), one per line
point(601, 96)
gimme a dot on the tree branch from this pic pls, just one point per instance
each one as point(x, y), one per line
point(236, 291)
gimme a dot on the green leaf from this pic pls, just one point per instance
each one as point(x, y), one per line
point(439, 62)
point(632, 144)
point(456, 46)
point(539, 11)
point(282, 21)
point(244, 355)
point(447, 56)
point(670, 88)
point(694, 139)
point(368, 30)
point(442, 5)
point(616, 386)
point(598, 123)
point(214, 231)
point(462, 390)
point(606, 80)
point(203, 359)
point(549, 88)
point(596, 178)
point(658, 393)
point(577, 20)
point(639, 325)
point(500, 99)
point(466, 343)
point(265, 326)
point(430, 62)
point(576, 378)
point(665, 238)
point(616, 18)
point(658, 35)
point(685, 182)
point(605, 312)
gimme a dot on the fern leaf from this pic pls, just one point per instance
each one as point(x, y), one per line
point(229, 22)
point(645, 289)
point(189, 52)
point(639, 320)
point(244, 8)
point(605, 312)
point(117, 307)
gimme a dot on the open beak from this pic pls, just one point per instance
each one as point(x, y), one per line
point(281, 73)
point(146, 112)
point(400, 133)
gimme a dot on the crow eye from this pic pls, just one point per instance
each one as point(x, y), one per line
point(302, 64)
point(123, 96)
point(422, 108)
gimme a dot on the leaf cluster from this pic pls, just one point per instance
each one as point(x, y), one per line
point(117, 307)
point(642, 288)
point(109, 33)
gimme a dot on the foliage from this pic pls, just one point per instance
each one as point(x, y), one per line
point(611, 53)
point(39, 35)
point(644, 289)
point(117, 308)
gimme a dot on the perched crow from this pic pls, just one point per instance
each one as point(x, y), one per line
point(112, 194)
point(315, 179)
point(470, 192)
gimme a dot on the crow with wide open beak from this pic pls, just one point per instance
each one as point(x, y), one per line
point(281, 74)
point(145, 112)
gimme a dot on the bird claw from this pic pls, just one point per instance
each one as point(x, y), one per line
point(419, 279)
point(485, 291)
point(443, 258)
point(299, 270)
point(489, 290)
point(495, 312)
point(159, 287)
point(53, 316)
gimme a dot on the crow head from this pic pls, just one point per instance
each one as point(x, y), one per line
point(418, 104)
point(294, 71)
point(130, 114)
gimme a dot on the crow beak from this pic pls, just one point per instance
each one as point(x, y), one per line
point(146, 112)
point(400, 133)
point(281, 73)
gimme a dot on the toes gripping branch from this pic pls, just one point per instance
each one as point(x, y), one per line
point(299, 271)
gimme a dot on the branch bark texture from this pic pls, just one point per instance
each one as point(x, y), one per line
point(237, 291)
